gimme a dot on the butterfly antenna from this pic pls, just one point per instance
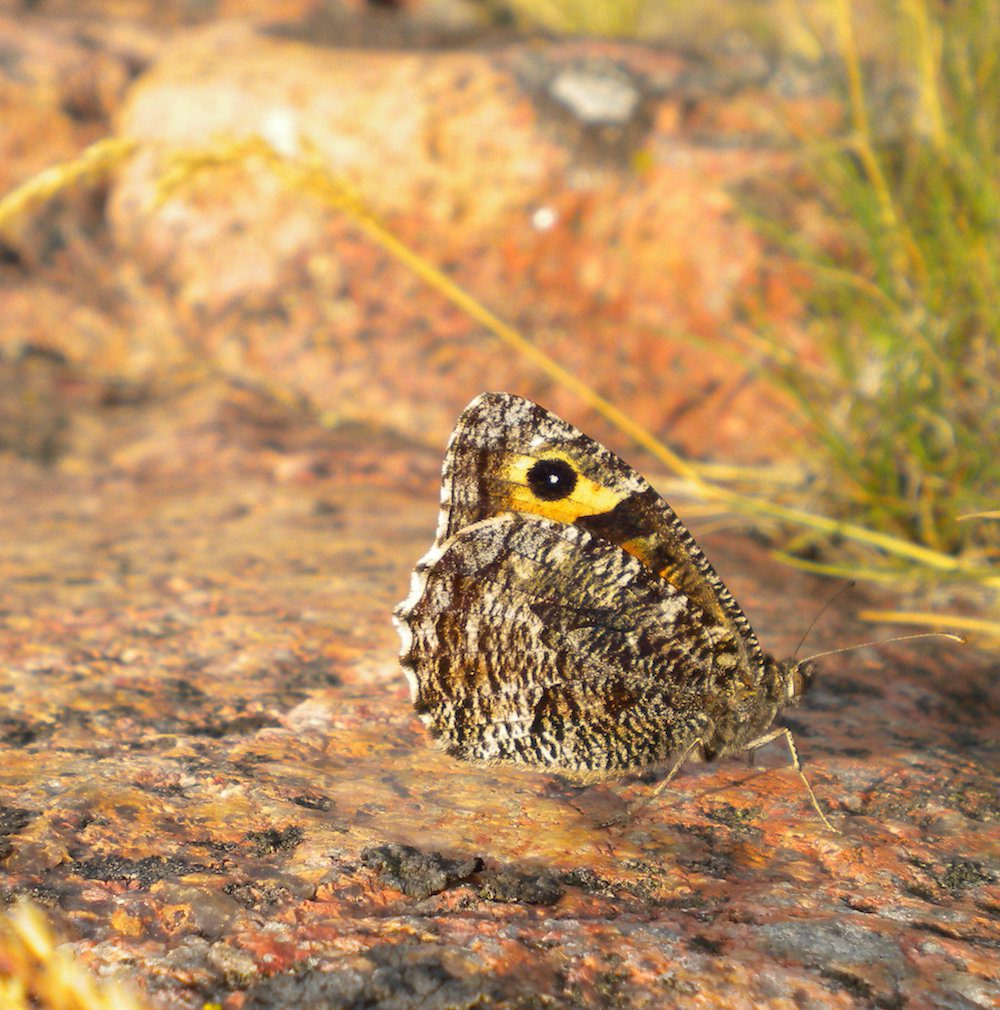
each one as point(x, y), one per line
point(883, 641)
point(822, 610)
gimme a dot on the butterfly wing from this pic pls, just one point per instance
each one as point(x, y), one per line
point(509, 454)
point(533, 641)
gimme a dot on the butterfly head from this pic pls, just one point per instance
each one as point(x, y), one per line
point(791, 679)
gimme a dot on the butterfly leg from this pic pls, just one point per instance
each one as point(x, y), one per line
point(658, 788)
point(787, 734)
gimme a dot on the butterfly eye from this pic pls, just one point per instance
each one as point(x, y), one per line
point(551, 479)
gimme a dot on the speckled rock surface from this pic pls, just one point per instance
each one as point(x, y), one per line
point(212, 780)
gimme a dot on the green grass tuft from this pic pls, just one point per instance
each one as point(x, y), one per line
point(904, 300)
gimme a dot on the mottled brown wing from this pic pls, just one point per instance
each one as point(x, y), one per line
point(509, 454)
point(535, 642)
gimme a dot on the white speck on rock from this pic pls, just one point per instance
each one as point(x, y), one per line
point(596, 98)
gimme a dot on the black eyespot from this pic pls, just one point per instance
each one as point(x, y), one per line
point(552, 479)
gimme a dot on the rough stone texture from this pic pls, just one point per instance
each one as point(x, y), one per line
point(203, 727)
point(209, 761)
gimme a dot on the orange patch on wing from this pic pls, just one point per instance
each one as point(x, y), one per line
point(638, 547)
point(643, 549)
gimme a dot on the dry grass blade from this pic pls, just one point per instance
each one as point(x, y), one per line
point(311, 175)
point(973, 625)
point(595, 17)
point(93, 165)
point(37, 974)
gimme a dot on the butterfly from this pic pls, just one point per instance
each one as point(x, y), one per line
point(566, 619)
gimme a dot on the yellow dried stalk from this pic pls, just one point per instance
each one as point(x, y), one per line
point(90, 167)
point(979, 627)
point(308, 173)
point(36, 974)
